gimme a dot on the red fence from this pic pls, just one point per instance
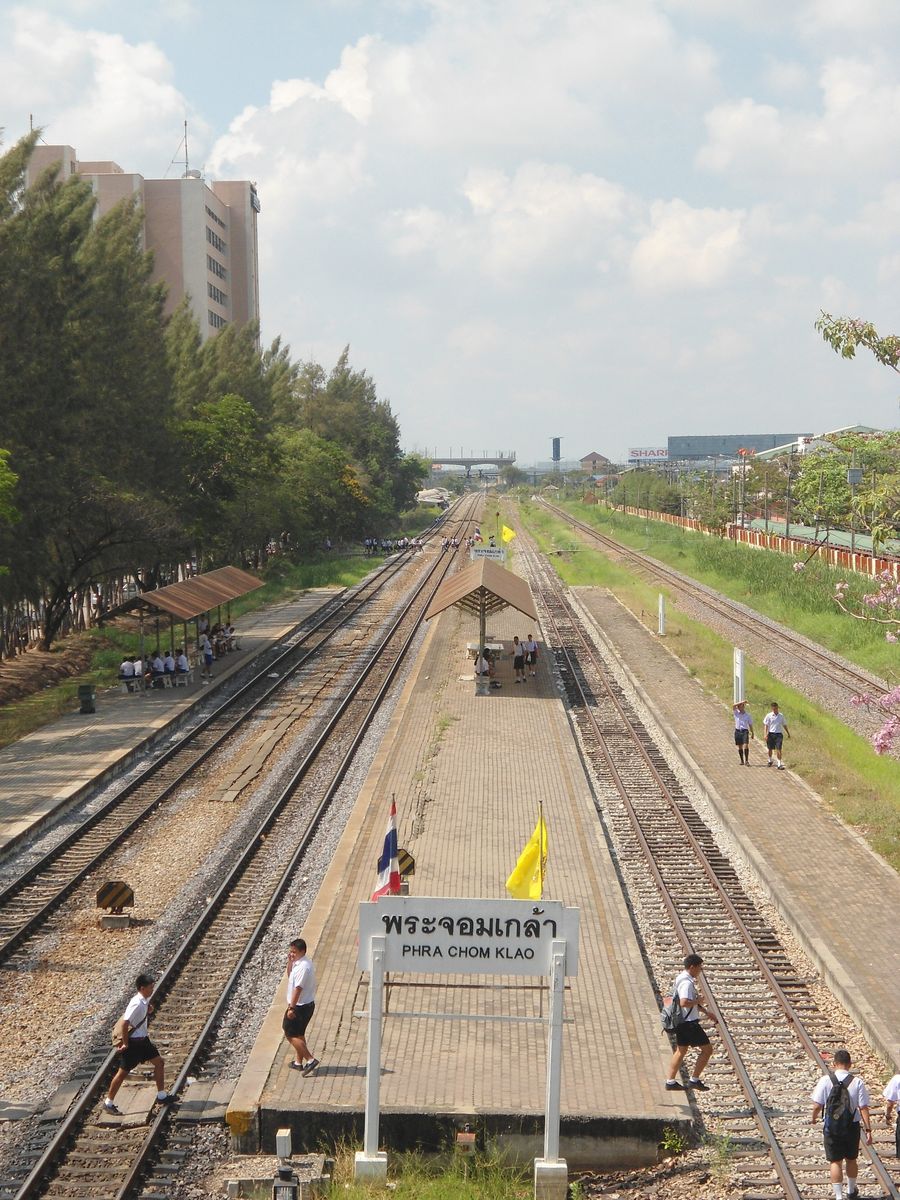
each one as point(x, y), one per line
point(799, 548)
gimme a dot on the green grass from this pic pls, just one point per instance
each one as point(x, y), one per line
point(443, 1177)
point(861, 786)
point(763, 580)
point(110, 644)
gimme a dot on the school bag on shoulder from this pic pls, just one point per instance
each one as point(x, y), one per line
point(839, 1110)
point(671, 1014)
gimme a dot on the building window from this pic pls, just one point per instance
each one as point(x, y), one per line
point(215, 320)
point(216, 241)
point(218, 220)
point(216, 267)
point(217, 294)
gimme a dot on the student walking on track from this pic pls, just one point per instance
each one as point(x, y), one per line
point(135, 1046)
point(843, 1099)
point(690, 1032)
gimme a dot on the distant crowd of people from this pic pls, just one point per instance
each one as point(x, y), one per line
point(374, 545)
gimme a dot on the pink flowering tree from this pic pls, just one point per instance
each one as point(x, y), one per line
point(883, 607)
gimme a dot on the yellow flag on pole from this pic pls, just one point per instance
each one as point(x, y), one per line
point(507, 534)
point(527, 879)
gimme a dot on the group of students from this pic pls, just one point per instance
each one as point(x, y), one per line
point(152, 671)
point(525, 654)
point(775, 726)
point(840, 1098)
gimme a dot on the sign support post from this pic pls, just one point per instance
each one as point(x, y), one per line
point(370, 1162)
point(551, 1173)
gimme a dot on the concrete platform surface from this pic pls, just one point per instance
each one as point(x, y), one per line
point(56, 766)
point(787, 831)
point(468, 773)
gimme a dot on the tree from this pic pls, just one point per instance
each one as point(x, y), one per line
point(83, 388)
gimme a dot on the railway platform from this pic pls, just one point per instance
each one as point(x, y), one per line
point(467, 774)
point(840, 898)
point(62, 763)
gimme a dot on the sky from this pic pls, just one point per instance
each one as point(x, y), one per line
point(609, 221)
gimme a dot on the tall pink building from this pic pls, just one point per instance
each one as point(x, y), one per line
point(203, 236)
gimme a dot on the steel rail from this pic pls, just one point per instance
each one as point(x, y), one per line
point(553, 586)
point(785, 1176)
point(38, 1176)
point(339, 612)
point(825, 662)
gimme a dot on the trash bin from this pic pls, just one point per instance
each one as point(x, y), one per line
point(87, 697)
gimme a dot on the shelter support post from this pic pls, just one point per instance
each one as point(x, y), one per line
point(482, 682)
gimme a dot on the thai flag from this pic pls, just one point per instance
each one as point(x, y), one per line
point(388, 883)
point(478, 537)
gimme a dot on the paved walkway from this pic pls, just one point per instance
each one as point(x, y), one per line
point(840, 897)
point(60, 763)
point(467, 774)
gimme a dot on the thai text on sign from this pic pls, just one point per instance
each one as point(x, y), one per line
point(451, 936)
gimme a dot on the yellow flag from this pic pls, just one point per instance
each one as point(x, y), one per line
point(507, 534)
point(527, 879)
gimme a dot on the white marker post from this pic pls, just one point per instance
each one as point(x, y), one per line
point(662, 615)
point(738, 676)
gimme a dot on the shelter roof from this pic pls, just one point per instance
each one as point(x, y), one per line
point(200, 593)
point(483, 582)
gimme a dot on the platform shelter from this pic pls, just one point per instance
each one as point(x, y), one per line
point(483, 588)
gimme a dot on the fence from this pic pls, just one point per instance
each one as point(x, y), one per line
point(835, 556)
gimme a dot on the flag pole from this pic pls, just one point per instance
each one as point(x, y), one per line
point(541, 842)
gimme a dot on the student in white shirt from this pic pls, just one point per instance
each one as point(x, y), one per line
point(690, 1032)
point(776, 728)
point(301, 1004)
point(845, 1149)
point(135, 1047)
point(891, 1093)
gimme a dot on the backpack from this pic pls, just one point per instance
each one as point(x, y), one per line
point(839, 1111)
point(672, 1014)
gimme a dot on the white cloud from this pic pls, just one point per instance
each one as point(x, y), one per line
point(107, 97)
point(687, 247)
point(857, 126)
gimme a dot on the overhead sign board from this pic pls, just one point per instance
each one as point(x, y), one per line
point(647, 454)
point(430, 935)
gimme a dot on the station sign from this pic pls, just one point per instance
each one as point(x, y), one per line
point(497, 553)
point(432, 935)
point(638, 454)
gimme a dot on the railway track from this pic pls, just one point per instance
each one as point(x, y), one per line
point(86, 1153)
point(29, 900)
point(691, 899)
point(851, 680)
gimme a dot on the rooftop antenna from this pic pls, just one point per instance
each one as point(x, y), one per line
point(187, 165)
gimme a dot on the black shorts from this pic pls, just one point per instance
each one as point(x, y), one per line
point(690, 1033)
point(774, 741)
point(837, 1148)
point(138, 1050)
point(295, 1026)
point(742, 737)
point(518, 663)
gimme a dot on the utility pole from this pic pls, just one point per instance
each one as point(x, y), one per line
point(787, 507)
